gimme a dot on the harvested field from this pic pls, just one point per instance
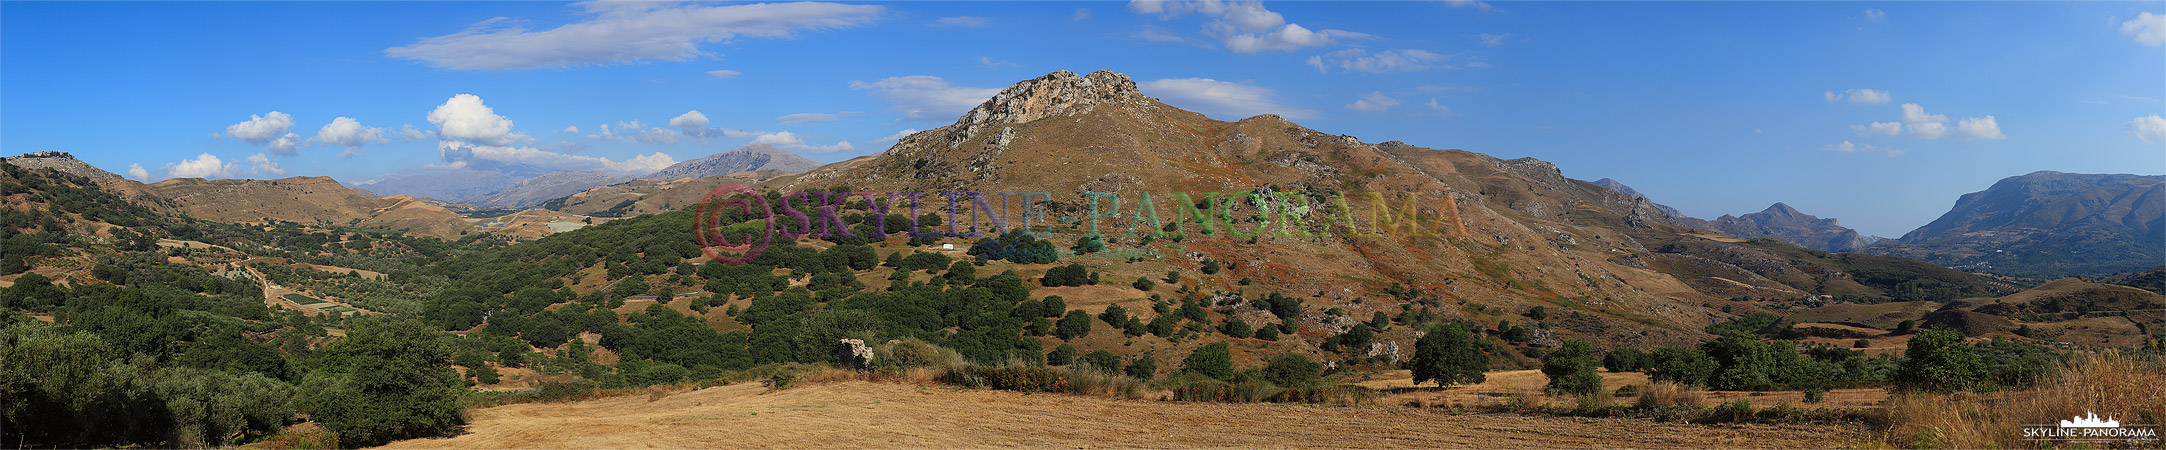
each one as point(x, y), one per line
point(859, 414)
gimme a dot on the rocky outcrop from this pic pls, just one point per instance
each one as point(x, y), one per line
point(853, 354)
point(61, 161)
point(1781, 222)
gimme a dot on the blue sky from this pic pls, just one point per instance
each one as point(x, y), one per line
point(1879, 114)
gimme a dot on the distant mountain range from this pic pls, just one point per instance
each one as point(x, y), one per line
point(2047, 224)
point(1780, 221)
point(507, 189)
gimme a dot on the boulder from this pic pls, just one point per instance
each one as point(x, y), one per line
point(853, 354)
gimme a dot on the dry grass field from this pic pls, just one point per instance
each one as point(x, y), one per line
point(858, 414)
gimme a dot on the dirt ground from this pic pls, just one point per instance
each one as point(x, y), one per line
point(858, 414)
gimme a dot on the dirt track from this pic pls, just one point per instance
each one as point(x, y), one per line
point(886, 415)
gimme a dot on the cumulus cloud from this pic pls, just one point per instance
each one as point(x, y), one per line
point(1494, 40)
point(804, 118)
point(349, 133)
point(570, 129)
point(259, 130)
point(1244, 26)
point(464, 118)
point(203, 166)
point(1860, 96)
point(1922, 125)
point(626, 32)
point(724, 74)
point(2147, 29)
point(1879, 129)
point(694, 124)
point(267, 131)
point(1980, 128)
point(790, 141)
point(1375, 102)
point(1224, 98)
point(1848, 147)
point(1400, 60)
point(961, 22)
point(261, 164)
point(906, 132)
point(136, 171)
point(1875, 14)
point(925, 97)
point(1438, 106)
point(2151, 129)
point(470, 134)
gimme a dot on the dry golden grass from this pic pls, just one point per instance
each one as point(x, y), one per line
point(2127, 387)
point(1665, 394)
point(857, 414)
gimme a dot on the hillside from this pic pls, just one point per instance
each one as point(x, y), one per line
point(1781, 222)
point(61, 161)
point(530, 191)
point(2048, 224)
point(310, 200)
point(751, 158)
point(651, 195)
point(450, 185)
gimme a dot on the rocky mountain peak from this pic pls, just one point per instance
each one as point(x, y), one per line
point(61, 161)
point(1057, 93)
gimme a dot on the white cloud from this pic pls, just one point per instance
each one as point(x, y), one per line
point(407, 132)
point(637, 132)
point(694, 124)
point(1469, 4)
point(1400, 60)
point(1438, 106)
point(961, 22)
point(724, 74)
point(991, 63)
point(2151, 129)
point(1081, 14)
point(267, 131)
point(1875, 14)
point(926, 97)
point(1374, 102)
point(288, 145)
point(464, 118)
point(260, 164)
point(470, 134)
point(1860, 96)
point(1922, 125)
point(1847, 147)
point(1879, 129)
point(1244, 26)
point(1980, 128)
point(804, 118)
point(1494, 40)
point(906, 132)
point(349, 133)
point(2147, 28)
point(259, 130)
point(203, 166)
point(136, 171)
point(1155, 34)
point(570, 129)
point(790, 141)
point(626, 32)
point(1228, 99)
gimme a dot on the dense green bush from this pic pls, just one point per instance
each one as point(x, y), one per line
point(1213, 360)
point(1571, 369)
point(385, 382)
point(1448, 355)
point(1939, 361)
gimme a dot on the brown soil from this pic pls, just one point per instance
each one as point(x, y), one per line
point(886, 415)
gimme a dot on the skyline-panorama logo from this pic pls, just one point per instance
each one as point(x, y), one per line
point(2090, 428)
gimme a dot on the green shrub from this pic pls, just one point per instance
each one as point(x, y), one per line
point(1734, 411)
point(1292, 370)
point(1939, 361)
point(1213, 360)
point(1571, 369)
point(1449, 356)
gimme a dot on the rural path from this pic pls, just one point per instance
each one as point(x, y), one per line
point(860, 414)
